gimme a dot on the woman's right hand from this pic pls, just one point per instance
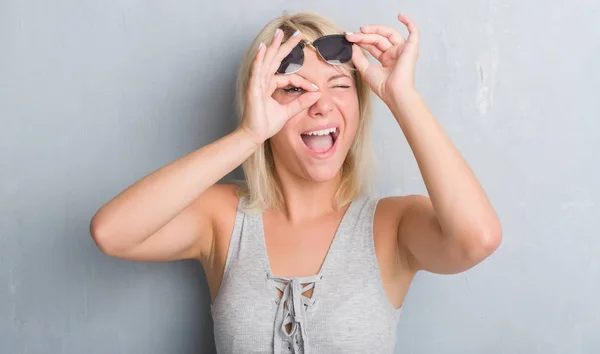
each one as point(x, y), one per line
point(169, 214)
point(263, 115)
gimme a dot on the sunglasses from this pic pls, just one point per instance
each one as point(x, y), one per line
point(334, 49)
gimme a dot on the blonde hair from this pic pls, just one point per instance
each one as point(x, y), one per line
point(261, 188)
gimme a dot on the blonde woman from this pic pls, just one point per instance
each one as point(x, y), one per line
point(301, 258)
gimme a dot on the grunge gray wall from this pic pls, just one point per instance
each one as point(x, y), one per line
point(96, 94)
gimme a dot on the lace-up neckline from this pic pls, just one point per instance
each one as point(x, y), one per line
point(292, 305)
point(291, 311)
point(258, 311)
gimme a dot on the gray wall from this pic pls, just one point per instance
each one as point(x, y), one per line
point(96, 94)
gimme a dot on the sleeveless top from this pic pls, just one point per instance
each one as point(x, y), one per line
point(349, 311)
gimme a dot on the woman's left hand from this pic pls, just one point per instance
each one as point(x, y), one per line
point(393, 80)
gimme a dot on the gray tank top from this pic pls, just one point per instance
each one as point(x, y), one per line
point(349, 311)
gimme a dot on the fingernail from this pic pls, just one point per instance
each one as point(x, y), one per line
point(296, 33)
point(276, 32)
point(261, 46)
point(349, 33)
point(315, 86)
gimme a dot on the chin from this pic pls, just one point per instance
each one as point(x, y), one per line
point(323, 173)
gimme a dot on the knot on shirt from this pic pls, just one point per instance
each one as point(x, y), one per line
point(290, 318)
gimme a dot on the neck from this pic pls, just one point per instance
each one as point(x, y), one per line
point(306, 200)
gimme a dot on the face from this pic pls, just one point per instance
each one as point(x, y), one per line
point(313, 144)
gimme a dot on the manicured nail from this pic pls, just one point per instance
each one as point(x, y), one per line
point(276, 32)
point(315, 86)
point(261, 46)
point(296, 33)
point(348, 33)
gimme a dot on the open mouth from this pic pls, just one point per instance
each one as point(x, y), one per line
point(321, 141)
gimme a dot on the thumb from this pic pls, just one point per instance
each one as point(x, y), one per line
point(301, 103)
point(408, 54)
point(359, 59)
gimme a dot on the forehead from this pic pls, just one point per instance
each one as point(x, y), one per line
point(315, 67)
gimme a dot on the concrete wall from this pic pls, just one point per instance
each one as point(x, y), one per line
point(95, 94)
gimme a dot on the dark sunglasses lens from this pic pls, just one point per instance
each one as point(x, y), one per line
point(293, 62)
point(335, 49)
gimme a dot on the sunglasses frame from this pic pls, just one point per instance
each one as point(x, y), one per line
point(314, 45)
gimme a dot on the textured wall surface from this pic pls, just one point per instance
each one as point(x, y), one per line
point(95, 94)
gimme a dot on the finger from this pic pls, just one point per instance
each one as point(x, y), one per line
point(284, 50)
point(382, 43)
point(257, 67)
point(273, 48)
point(359, 59)
point(391, 34)
point(301, 103)
point(413, 32)
point(280, 81)
point(373, 50)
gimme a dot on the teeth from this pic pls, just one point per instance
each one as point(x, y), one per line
point(322, 132)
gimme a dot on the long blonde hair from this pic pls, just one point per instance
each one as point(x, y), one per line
point(261, 188)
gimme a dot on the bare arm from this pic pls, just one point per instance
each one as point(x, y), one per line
point(165, 215)
point(168, 214)
point(457, 228)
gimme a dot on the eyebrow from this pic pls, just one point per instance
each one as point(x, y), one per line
point(334, 77)
point(338, 77)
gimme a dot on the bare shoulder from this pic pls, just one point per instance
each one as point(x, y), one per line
point(396, 207)
point(388, 215)
point(222, 200)
point(219, 203)
point(397, 271)
point(391, 209)
point(387, 218)
point(218, 197)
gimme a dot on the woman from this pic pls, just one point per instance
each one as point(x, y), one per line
point(301, 259)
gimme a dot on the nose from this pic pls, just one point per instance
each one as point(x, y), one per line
point(322, 107)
